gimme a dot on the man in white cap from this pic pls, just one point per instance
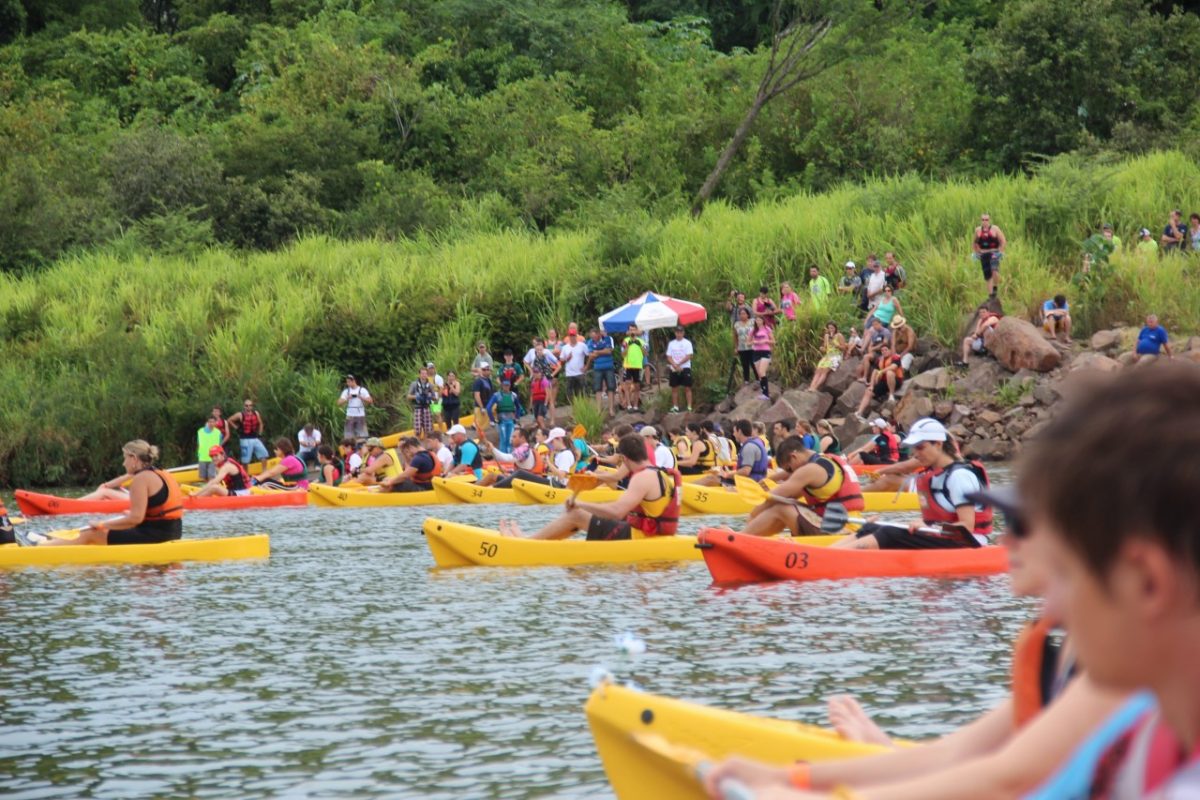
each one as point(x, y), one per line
point(850, 283)
point(467, 457)
point(943, 486)
point(663, 457)
point(648, 507)
point(884, 447)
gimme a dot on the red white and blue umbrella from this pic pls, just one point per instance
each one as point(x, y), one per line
point(652, 311)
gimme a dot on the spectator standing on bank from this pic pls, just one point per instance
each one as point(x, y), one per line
point(356, 399)
point(764, 307)
point(207, 437)
point(679, 366)
point(893, 272)
point(818, 287)
point(1146, 246)
point(1174, 234)
point(788, 300)
point(735, 304)
point(604, 374)
point(249, 426)
point(850, 283)
point(741, 342)
point(309, 439)
point(422, 394)
point(1194, 232)
point(573, 357)
point(989, 244)
point(482, 356)
point(873, 285)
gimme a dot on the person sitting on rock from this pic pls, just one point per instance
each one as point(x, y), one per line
point(978, 341)
point(884, 447)
point(887, 378)
point(875, 337)
point(1056, 317)
point(904, 339)
point(816, 480)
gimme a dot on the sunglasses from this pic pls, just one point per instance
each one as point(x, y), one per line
point(1016, 525)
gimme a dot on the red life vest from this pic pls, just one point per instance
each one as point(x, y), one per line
point(240, 481)
point(849, 494)
point(167, 502)
point(891, 450)
point(666, 523)
point(934, 513)
point(251, 425)
point(650, 450)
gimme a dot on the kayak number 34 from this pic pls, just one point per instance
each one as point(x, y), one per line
point(796, 561)
point(487, 549)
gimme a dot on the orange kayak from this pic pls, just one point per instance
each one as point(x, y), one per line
point(35, 504)
point(737, 558)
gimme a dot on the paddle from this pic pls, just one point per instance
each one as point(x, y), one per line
point(753, 493)
point(836, 518)
point(694, 762)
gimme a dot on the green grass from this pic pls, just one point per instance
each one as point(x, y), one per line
point(105, 346)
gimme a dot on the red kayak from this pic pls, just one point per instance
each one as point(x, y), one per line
point(737, 558)
point(34, 504)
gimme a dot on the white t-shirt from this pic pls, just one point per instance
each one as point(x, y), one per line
point(680, 348)
point(306, 441)
point(446, 458)
point(438, 381)
point(564, 460)
point(355, 406)
point(354, 463)
point(573, 357)
point(960, 483)
point(875, 287)
point(663, 457)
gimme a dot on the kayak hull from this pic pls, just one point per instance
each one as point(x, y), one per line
point(727, 502)
point(36, 504)
point(737, 558)
point(231, 548)
point(618, 715)
point(537, 493)
point(456, 545)
point(322, 495)
point(465, 492)
point(191, 473)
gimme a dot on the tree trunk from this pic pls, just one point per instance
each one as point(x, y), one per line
point(731, 150)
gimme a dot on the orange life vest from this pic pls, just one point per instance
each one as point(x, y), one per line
point(1028, 669)
point(167, 502)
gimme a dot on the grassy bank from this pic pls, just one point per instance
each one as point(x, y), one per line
point(114, 345)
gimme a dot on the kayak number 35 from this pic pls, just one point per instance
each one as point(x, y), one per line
point(487, 549)
point(796, 561)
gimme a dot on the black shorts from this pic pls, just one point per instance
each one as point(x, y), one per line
point(989, 265)
point(875, 458)
point(608, 530)
point(412, 486)
point(891, 537)
point(759, 355)
point(681, 378)
point(155, 532)
point(880, 389)
point(633, 375)
point(695, 470)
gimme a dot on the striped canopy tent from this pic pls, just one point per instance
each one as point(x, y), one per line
point(652, 311)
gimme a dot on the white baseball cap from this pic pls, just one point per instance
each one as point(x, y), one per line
point(851, 265)
point(649, 430)
point(555, 433)
point(926, 429)
point(456, 429)
point(879, 422)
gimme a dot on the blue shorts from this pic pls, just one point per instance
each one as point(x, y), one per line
point(252, 450)
point(600, 377)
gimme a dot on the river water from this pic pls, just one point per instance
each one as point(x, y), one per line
point(346, 666)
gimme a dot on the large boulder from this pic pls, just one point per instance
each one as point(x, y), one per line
point(935, 380)
point(1017, 344)
point(841, 379)
point(847, 404)
point(798, 404)
point(911, 408)
point(988, 449)
point(750, 409)
point(983, 377)
point(1094, 361)
point(1104, 341)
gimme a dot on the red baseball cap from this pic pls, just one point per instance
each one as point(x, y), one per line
point(216, 450)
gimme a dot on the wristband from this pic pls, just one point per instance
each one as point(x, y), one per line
point(800, 775)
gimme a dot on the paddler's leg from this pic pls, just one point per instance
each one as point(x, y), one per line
point(864, 540)
point(105, 493)
point(850, 720)
point(87, 536)
point(561, 527)
point(886, 483)
point(770, 520)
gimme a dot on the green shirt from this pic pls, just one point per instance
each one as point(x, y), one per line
point(819, 288)
point(635, 353)
point(205, 441)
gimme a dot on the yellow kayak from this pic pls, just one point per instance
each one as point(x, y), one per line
point(393, 439)
point(191, 473)
point(719, 500)
point(531, 493)
point(235, 547)
point(625, 722)
point(320, 494)
point(464, 492)
point(456, 545)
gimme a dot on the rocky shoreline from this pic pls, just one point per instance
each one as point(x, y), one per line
point(1000, 400)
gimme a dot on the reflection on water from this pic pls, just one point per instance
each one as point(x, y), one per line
point(347, 667)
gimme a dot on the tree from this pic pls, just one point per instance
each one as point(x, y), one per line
point(808, 39)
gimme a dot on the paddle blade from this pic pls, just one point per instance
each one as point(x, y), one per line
point(582, 482)
point(835, 518)
point(749, 489)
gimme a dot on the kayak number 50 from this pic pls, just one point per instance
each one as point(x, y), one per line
point(487, 549)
